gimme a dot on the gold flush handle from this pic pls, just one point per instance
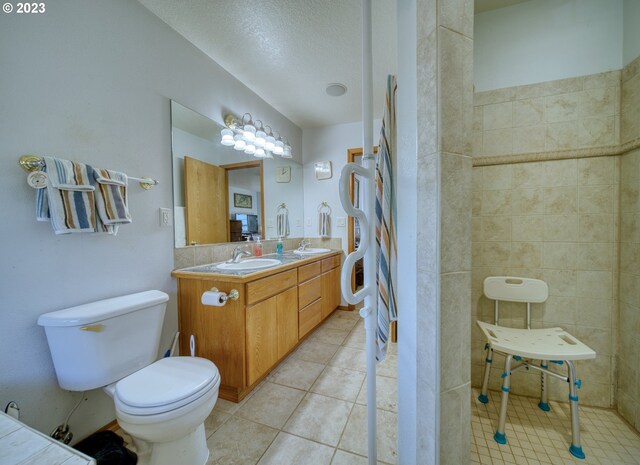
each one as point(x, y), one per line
point(93, 328)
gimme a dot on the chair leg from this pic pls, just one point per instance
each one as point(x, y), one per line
point(500, 437)
point(575, 448)
point(544, 404)
point(487, 370)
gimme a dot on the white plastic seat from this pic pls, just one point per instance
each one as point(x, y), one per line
point(529, 345)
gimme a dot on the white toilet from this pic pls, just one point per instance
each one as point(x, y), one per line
point(113, 344)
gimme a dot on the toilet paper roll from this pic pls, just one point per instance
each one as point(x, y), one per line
point(215, 299)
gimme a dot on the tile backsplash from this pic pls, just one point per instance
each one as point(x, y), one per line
point(202, 254)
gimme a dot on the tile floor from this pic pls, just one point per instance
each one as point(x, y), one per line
point(537, 437)
point(311, 410)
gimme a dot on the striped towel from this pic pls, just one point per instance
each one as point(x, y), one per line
point(324, 224)
point(282, 224)
point(111, 197)
point(69, 200)
point(386, 250)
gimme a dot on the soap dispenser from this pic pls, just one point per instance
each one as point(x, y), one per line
point(257, 248)
point(279, 246)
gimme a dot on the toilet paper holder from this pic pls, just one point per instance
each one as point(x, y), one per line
point(232, 295)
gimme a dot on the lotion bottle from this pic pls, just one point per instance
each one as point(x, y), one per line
point(257, 248)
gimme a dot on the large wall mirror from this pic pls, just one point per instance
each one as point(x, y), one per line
point(224, 195)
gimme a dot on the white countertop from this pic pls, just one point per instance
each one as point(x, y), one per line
point(22, 445)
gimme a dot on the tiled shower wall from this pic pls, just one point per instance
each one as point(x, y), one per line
point(556, 221)
point(629, 339)
point(574, 113)
point(629, 346)
point(574, 223)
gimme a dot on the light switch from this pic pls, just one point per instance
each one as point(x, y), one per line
point(166, 218)
point(299, 222)
point(342, 221)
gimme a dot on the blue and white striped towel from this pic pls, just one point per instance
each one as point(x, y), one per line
point(324, 224)
point(282, 224)
point(111, 196)
point(70, 197)
point(386, 248)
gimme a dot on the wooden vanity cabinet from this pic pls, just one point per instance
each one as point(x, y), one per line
point(247, 338)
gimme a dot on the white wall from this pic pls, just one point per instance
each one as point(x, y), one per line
point(329, 143)
point(631, 46)
point(545, 40)
point(291, 193)
point(91, 80)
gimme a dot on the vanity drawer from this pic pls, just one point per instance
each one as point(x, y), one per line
point(309, 317)
point(330, 263)
point(306, 272)
point(261, 289)
point(309, 291)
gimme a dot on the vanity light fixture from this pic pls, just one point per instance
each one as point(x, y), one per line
point(252, 138)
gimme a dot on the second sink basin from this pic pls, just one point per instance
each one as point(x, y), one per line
point(249, 264)
point(311, 251)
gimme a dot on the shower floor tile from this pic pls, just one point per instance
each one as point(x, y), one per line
point(537, 437)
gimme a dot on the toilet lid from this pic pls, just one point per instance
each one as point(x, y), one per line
point(169, 381)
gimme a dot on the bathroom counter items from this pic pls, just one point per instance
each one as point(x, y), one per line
point(20, 444)
point(289, 260)
point(274, 311)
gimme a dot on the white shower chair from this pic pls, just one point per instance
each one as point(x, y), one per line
point(528, 346)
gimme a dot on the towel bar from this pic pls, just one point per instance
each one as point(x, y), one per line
point(34, 162)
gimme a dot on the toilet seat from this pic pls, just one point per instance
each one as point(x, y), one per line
point(166, 385)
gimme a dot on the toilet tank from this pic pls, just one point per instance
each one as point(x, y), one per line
point(98, 343)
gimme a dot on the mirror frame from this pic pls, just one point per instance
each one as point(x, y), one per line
point(239, 166)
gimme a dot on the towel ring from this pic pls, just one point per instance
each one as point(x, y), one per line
point(324, 208)
point(282, 208)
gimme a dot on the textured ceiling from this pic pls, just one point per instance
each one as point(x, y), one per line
point(287, 51)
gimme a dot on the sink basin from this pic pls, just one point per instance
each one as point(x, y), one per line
point(249, 264)
point(311, 251)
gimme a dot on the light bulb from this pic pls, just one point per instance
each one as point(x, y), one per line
point(270, 143)
point(287, 151)
point(227, 137)
point(250, 149)
point(240, 144)
point(279, 147)
point(259, 153)
point(249, 132)
point(260, 138)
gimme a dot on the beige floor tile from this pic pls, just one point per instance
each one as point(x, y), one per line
point(214, 421)
point(356, 338)
point(347, 458)
point(389, 367)
point(329, 335)
point(386, 394)
point(296, 373)
point(288, 449)
point(341, 320)
point(271, 405)
point(239, 442)
point(354, 438)
point(346, 357)
point(341, 383)
point(314, 351)
point(319, 418)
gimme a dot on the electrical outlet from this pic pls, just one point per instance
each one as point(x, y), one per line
point(308, 222)
point(299, 222)
point(166, 219)
point(342, 221)
point(270, 223)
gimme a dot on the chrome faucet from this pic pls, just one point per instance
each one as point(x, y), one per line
point(238, 253)
point(304, 243)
